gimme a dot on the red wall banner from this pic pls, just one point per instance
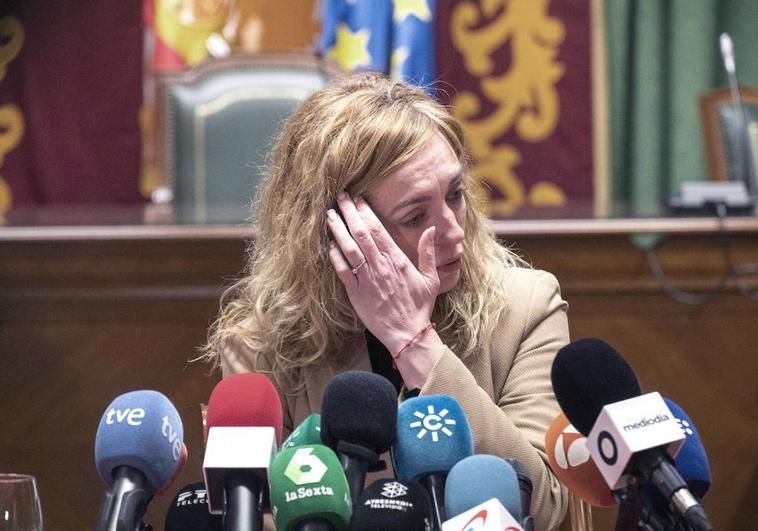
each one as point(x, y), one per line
point(518, 75)
point(70, 93)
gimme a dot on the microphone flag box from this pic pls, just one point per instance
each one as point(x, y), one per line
point(236, 449)
point(630, 426)
point(487, 516)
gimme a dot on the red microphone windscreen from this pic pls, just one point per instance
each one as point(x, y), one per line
point(245, 400)
point(571, 463)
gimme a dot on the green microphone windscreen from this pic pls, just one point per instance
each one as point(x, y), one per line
point(308, 432)
point(307, 483)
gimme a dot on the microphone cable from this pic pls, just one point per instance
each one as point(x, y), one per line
point(732, 273)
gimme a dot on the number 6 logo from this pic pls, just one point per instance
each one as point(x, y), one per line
point(304, 467)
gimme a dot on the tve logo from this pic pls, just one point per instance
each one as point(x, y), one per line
point(172, 435)
point(132, 416)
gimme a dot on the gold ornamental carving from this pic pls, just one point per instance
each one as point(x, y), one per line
point(524, 96)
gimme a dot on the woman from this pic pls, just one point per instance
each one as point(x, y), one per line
point(368, 224)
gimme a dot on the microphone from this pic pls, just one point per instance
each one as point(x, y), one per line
point(189, 511)
point(244, 421)
point(433, 434)
point(622, 426)
point(392, 504)
point(691, 461)
point(138, 450)
point(487, 516)
point(570, 461)
point(525, 488)
point(478, 478)
point(309, 491)
point(308, 432)
point(358, 416)
point(743, 154)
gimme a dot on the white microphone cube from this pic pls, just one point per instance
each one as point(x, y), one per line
point(232, 450)
point(487, 516)
point(630, 426)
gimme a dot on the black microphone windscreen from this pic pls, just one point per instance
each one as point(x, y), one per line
point(189, 511)
point(392, 504)
point(587, 375)
point(359, 408)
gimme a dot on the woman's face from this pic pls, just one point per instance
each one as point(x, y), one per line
point(426, 191)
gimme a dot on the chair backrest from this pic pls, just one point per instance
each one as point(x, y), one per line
point(216, 122)
point(730, 150)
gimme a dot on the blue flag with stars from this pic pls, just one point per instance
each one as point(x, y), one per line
point(392, 36)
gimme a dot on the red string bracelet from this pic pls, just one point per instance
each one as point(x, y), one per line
point(410, 342)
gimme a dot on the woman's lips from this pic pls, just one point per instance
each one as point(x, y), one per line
point(451, 266)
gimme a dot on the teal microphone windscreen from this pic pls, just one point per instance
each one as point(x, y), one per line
point(141, 430)
point(433, 434)
point(478, 478)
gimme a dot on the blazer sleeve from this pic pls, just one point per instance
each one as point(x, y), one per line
point(512, 424)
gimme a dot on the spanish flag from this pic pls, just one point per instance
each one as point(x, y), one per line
point(182, 28)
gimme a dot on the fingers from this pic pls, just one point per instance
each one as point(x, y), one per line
point(361, 233)
point(381, 237)
point(427, 258)
point(342, 267)
point(345, 242)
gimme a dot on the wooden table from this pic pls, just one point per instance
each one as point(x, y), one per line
point(92, 310)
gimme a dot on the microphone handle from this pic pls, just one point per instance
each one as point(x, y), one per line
point(630, 505)
point(355, 473)
point(125, 504)
point(435, 485)
point(242, 511)
point(314, 524)
point(656, 466)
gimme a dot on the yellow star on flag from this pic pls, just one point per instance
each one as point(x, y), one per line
point(350, 50)
point(399, 55)
point(406, 8)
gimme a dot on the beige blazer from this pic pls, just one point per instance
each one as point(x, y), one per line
point(505, 390)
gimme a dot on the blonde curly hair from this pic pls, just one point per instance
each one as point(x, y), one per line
point(290, 308)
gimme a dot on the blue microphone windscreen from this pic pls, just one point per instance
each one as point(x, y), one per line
point(691, 462)
point(478, 478)
point(142, 430)
point(432, 435)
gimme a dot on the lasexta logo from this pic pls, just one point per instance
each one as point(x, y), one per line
point(304, 467)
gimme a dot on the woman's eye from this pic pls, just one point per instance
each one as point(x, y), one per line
point(456, 196)
point(415, 221)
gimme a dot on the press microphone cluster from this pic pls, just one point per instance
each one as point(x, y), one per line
point(313, 481)
point(599, 404)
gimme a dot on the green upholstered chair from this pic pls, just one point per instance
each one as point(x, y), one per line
point(215, 125)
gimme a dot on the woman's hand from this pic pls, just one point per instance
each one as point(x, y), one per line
point(392, 297)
